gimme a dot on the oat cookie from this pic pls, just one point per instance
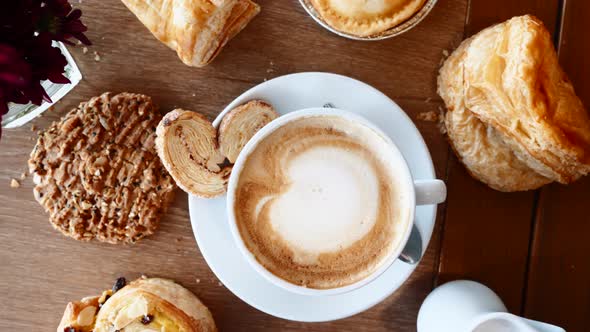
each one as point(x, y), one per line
point(97, 173)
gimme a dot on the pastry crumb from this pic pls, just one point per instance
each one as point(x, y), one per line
point(441, 121)
point(178, 239)
point(198, 280)
point(442, 128)
point(427, 100)
point(219, 283)
point(85, 50)
point(445, 54)
point(33, 127)
point(23, 175)
point(429, 116)
point(96, 56)
point(194, 94)
point(14, 183)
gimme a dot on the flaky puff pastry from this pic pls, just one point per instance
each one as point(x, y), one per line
point(147, 304)
point(196, 29)
point(513, 117)
point(187, 146)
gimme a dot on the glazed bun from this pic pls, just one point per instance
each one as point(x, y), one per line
point(147, 304)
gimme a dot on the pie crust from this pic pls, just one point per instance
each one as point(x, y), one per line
point(365, 18)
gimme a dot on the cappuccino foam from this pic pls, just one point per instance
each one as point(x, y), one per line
point(318, 204)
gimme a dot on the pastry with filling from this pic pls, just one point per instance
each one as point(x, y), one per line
point(196, 29)
point(147, 304)
point(513, 117)
point(365, 18)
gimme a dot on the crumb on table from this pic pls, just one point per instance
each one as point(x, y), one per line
point(14, 183)
point(429, 116)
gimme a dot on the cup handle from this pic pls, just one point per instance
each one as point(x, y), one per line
point(430, 192)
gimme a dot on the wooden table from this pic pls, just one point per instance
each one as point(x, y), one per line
point(531, 247)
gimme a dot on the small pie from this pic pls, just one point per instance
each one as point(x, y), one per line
point(365, 18)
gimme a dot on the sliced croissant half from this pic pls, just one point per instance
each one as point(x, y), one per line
point(187, 144)
point(196, 157)
point(240, 124)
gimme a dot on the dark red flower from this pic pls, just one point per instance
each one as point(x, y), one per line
point(27, 57)
point(63, 23)
point(15, 75)
point(18, 20)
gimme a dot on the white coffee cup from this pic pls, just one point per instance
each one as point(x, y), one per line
point(420, 192)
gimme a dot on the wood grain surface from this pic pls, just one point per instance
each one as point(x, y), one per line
point(486, 233)
point(558, 287)
point(42, 270)
point(529, 247)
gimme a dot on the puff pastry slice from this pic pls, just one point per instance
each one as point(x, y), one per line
point(513, 116)
point(196, 29)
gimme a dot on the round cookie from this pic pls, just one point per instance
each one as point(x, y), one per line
point(97, 173)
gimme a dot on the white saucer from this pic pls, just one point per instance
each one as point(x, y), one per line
point(209, 218)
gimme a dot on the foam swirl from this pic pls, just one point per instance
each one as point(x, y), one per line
point(317, 204)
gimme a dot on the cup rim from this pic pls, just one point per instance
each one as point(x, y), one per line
point(238, 167)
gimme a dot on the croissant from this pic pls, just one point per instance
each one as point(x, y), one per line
point(513, 117)
point(196, 29)
point(147, 304)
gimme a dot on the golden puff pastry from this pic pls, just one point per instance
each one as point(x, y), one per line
point(196, 29)
point(365, 17)
point(513, 117)
point(145, 305)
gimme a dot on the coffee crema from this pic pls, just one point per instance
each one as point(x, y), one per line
point(317, 202)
